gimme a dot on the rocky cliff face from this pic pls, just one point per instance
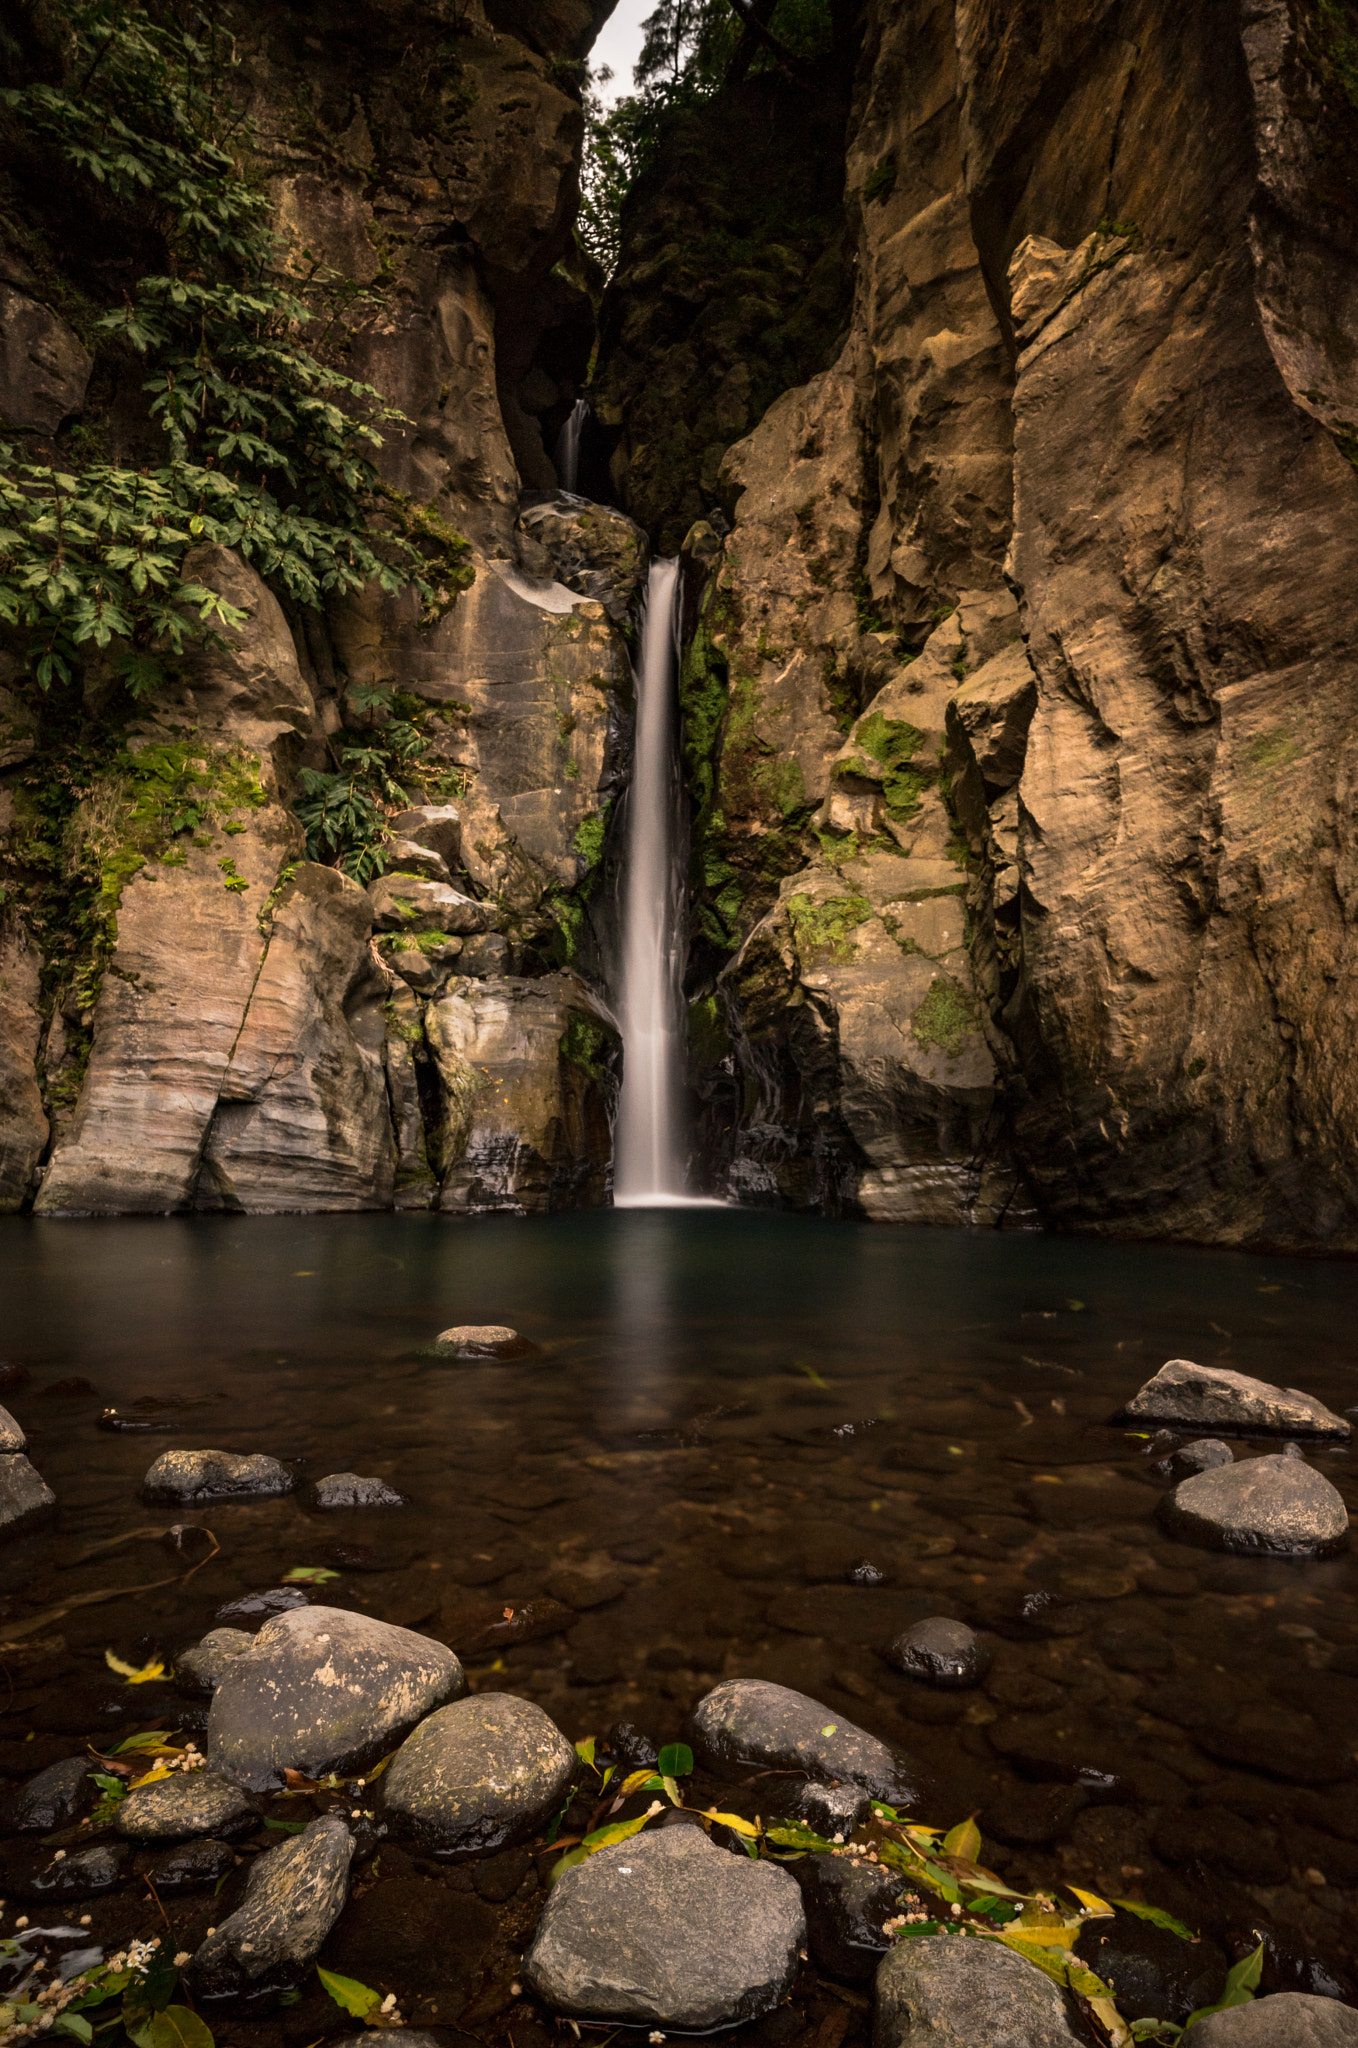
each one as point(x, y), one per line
point(1018, 708)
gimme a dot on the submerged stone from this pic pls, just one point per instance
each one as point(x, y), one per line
point(668, 1930)
point(294, 1896)
point(260, 1607)
point(748, 1721)
point(12, 1437)
point(322, 1690)
point(480, 1774)
point(942, 1652)
point(1272, 1507)
point(949, 1991)
point(53, 1799)
point(1210, 1396)
point(189, 1803)
point(847, 1902)
point(215, 1475)
point(192, 1866)
point(79, 1874)
point(1189, 1459)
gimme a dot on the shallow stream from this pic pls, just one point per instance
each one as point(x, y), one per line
point(751, 1445)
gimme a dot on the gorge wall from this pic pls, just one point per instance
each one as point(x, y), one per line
point(1000, 389)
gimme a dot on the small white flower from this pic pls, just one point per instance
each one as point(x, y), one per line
point(655, 2037)
point(211, 1930)
point(60, 1856)
point(516, 1991)
point(22, 1920)
point(84, 1919)
point(182, 1958)
point(389, 2001)
point(836, 1838)
point(956, 1912)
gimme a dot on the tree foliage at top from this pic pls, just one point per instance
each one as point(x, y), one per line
point(267, 443)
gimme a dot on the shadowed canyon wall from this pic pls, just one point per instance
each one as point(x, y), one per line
point(1000, 388)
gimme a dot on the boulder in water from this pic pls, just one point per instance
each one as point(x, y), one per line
point(51, 1800)
point(667, 1930)
point(216, 1475)
point(1187, 1460)
point(295, 1895)
point(193, 1866)
point(1271, 1507)
point(948, 1991)
point(322, 1690)
point(482, 1340)
point(479, 1775)
point(942, 1652)
point(1188, 1396)
point(847, 1901)
point(25, 1498)
point(749, 1722)
point(1288, 2019)
point(352, 1490)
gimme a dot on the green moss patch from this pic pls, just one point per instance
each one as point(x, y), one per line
point(820, 928)
point(945, 1018)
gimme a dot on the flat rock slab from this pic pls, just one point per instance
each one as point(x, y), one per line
point(958, 1991)
point(1189, 1396)
point(198, 1670)
point(479, 1775)
point(295, 1895)
point(668, 1930)
point(187, 1804)
point(25, 1498)
point(352, 1490)
point(12, 1437)
point(1289, 2019)
point(216, 1475)
point(321, 1690)
point(1270, 1507)
point(750, 1722)
point(482, 1340)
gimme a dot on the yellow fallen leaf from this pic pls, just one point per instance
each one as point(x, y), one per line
point(1091, 1901)
point(151, 1778)
point(144, 1676)
point(963, 1841)
point(634, 1781)
point(1045, 1937)
point(731, 1820)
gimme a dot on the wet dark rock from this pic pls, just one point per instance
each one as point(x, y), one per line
point(12, 1437)
point(635, 1550)
point(1335, 1810)
point(1072, 1504)
point(322, 1690)
point(482, 1340)
point(1211, 1397)
point(833, 1811)
point(1060, 1749)
point(189, 1803)
point(216, 1475)
point(26, 1500)
point(479, 1775)
point(865, 1573)
point(483, 1629)
point(293, 1898)
point(943, 1991)
point(13, 1376)
point(868, 1615)
point(846, 1902)
point(1270, 1507)
point(1024, 1689)
point(1289, 2019)
point(586, 1585)
point(941, 1652)
point(1154, 1973)
point(53, 1799)
point(251, 1610)
point(199, 1669)
point(1220, 1840)
point(631, 1746)
point(1032, 1817)
point(749, 1722)
point(667, 1930)
point(352, 1490)
point(1203, 1456)
point(46, 1874)
point(192, 1866)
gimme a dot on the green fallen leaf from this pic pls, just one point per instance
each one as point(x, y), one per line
point(602, 1838)
point(829, 1728)
point(584, 1749)
point(347, 1992)
point(149, 1739)
point(1157, 1916)
point(809, 1372)
point(308, 1575)
point(1241, 1982)
point(71, 2023)
point(176, 2027)
point(675, 1760)
point(287, 1827)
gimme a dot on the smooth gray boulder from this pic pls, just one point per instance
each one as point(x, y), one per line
point(215, 1475)
point(25, 1498)
point(481, 1340)
point(293, 1898)
point(12, 1437)
point(1287, 2019)
point(961, 1991)
point(193, 1866)
point(410, 903)
point(1189, 1396)
point(667, 1930)
point(1272, 1507)
point(190, 1803)
point(941, 1652)
point(51, 1800)
point(748, 1721)
point(198, 1670)
point(1189, 1459)
point(352, 1490)
point(831, 1811)
point(479, 1775)
point(321, 1690)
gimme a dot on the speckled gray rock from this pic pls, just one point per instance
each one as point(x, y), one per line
point(199, 1670)
point(952, 1991)
point(192, 1866)
point(479, 1775)
point(668, 1930)
point(352, 1490)
point(750, 1721)
point(295, 1895)
point(481, 1340)
point(828, 1810)
point(321, 1690)
point(1190, 1396)
point(80, 1874)
point(53, 1799)
point(215, 1475)
point(12, 1437)
point(393, 2037)
point(190, 1803)
point(1272, 1507)
point(1289, 2019)
point(25, 1498)
point(1190, 1459)
point(251, 1610)
point(942, 1652)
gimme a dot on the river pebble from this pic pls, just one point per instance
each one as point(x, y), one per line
point(77, 1874)
point(1209, 1396)
point(25, 1497)
point(352, 1490)
point(1289, 2019)
point(481, 1340)
point(1188, 1459)
point(749, 1721)
point(1272, 1506)
point(189, 1803)
point(946, 1991)
point(215, 1475)
point(668, 1930)
point(294, 1896)
point(942, 1652)
point(323, 1690)
point(480, 1774)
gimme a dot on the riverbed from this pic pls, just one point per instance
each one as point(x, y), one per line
point(746, 1445)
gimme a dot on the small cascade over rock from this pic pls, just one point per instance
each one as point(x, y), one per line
point(649, 1165)
point(567, 451)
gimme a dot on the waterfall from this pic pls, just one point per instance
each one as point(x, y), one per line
point(650, 1150)
point(567, 451)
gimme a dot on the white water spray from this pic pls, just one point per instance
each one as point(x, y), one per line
point(649, 1168)
point(567, 450)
